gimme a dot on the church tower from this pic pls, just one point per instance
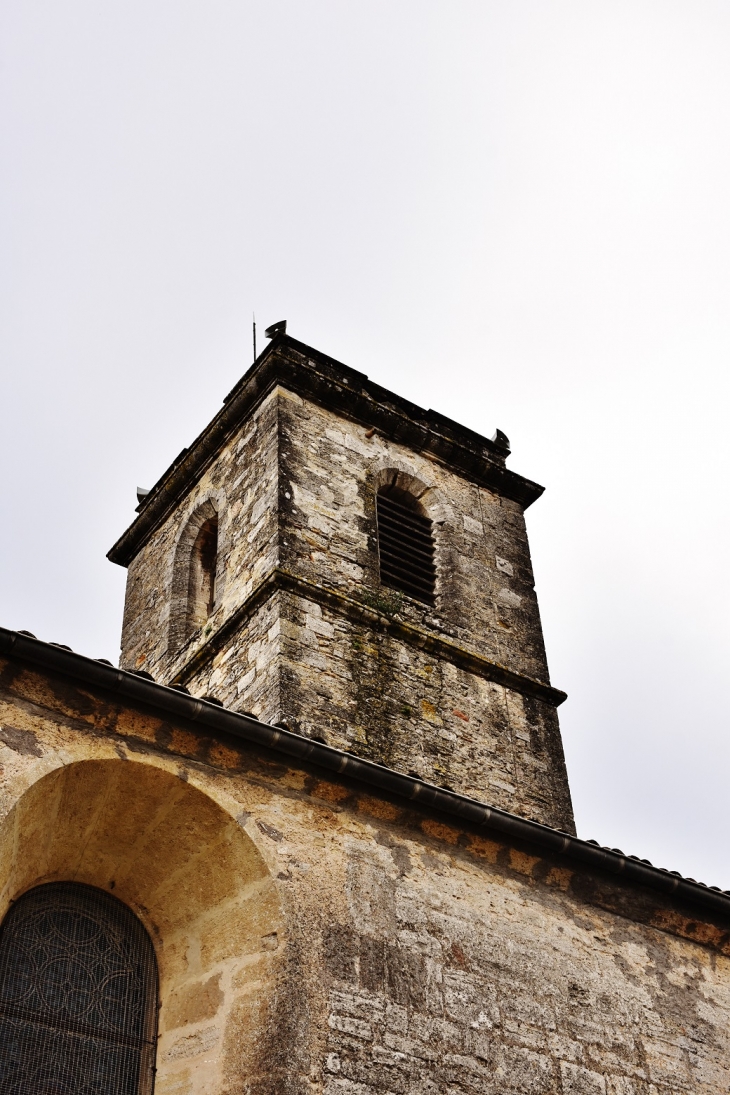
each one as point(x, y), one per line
point(329, 557)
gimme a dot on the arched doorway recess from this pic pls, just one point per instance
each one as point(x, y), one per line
point(197, 882)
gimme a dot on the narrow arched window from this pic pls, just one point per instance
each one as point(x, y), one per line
point(78, 995)
point(405, 545)
point(203, 564)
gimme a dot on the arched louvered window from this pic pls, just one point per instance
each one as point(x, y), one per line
point(405, 545)
point(78, 995)
point(203, 565)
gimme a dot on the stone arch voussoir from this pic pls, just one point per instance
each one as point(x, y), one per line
point(399, 473)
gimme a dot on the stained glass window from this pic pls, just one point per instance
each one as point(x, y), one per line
point(78, 995)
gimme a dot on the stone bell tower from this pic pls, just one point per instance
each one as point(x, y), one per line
point(333, 558)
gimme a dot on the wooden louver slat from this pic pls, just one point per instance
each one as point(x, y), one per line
point(405, 549)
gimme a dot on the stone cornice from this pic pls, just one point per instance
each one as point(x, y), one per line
point(330, 384)
point(360, 612)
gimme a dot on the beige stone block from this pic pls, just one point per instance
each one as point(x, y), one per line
point(239, 930)
point(192, 1003)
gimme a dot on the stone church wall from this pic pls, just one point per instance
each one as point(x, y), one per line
point(343, 944)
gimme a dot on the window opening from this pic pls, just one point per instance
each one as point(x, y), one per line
point(203, 564)
point(78, 995)
point(405, 545)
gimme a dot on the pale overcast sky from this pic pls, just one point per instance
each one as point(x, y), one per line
point(514, 212)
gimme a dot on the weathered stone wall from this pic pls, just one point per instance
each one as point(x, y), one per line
point(241, 483)
point(451, 975)
point(330, 472)
point(329, 942)
point(245, 673)
point(354, 686)
point(295, 491)
point(364, 690)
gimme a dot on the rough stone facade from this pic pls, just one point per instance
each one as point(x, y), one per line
point(330, 914)
point(303, 632)
point(314, 937)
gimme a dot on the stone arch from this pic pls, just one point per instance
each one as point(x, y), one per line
point(183, 616)
point(397, 473)
point(199, 885)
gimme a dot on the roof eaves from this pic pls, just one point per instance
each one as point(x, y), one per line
point(583, 853)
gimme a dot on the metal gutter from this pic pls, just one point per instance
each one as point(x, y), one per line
point(580, 853)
